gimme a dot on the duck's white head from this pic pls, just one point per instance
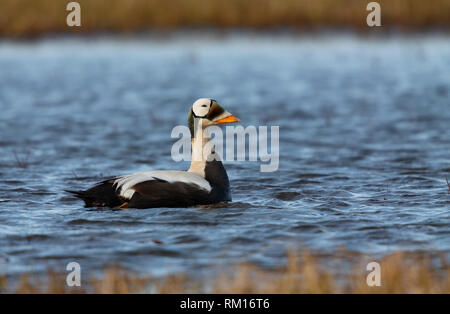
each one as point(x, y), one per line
point(208, 112)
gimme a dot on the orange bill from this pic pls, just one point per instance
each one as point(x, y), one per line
point(228, 119)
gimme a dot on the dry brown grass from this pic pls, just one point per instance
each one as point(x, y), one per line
point(304, 273)
point(31, 18)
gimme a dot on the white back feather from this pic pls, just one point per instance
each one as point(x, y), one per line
point(127, 182)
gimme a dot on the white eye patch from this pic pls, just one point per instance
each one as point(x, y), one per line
point(201, 107)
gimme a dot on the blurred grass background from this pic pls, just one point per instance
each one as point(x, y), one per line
point(401, 272)
point(25, 18)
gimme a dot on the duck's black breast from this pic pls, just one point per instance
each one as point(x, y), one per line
point(217, 177)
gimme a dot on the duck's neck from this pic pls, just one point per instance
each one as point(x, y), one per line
point(202, 147)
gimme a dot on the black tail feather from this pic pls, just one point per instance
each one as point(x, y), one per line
point(76, 193)
point(102, 194)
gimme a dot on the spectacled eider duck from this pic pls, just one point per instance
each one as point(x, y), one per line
point(206, 181)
